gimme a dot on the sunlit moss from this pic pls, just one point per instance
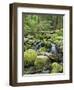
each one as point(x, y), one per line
point(30, 56)
point(56, 68)
point(40, 62)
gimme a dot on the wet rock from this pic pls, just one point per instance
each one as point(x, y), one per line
point(52, 57)
point(30, 70)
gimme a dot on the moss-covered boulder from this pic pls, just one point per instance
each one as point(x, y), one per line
point(56, 68)
point(29, 57)
point(40, 63)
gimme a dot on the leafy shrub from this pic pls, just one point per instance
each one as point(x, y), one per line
point(42, 49)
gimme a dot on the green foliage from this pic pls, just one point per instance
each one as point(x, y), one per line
point(30, 22)
point(42, 49)
point(57, 37)
point(46, 29)
point(29, 56)
point(45, 23)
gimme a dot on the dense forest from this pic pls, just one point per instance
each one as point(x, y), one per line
point(43, 44)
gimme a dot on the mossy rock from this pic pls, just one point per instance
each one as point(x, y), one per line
point(29, 56)
point(40, 63)
point(56, 68)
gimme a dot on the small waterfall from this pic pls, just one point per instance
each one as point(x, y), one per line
point(53, 49)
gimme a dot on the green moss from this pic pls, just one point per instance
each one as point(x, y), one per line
point(56, 68)
point(40, 62)
point(29, 56)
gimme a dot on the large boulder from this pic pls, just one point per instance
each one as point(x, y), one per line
point(40, 63)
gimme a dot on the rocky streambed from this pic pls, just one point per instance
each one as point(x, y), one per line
point(42, 62)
